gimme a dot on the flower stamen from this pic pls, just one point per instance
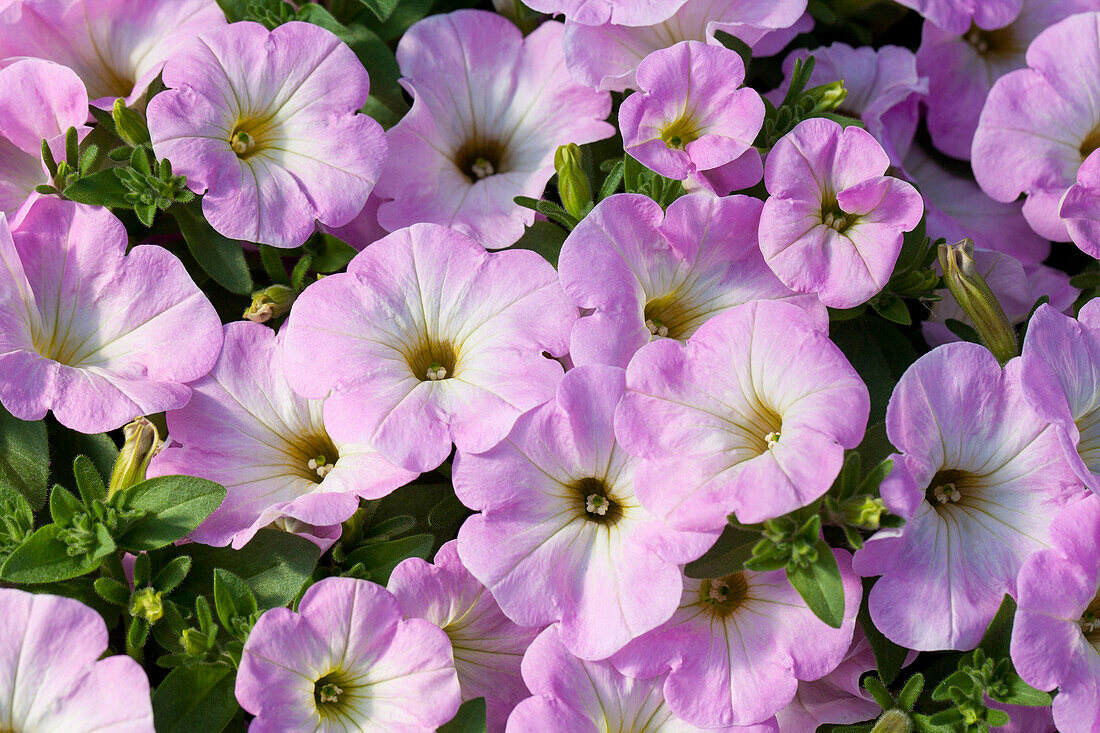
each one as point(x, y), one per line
point(656, 327)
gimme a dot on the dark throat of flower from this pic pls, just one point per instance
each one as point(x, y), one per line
point(432, 360)
point(721, 597)
point(595, 501)
point(316, 456)
point(479, 158)
point(951, 488)
point(836, 218)
point(333, 694)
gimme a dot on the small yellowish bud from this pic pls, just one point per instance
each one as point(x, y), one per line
point(573, 187)
point(142, 443)
point(894, 721)
point(864, 511)
point(827, 97)
point(269, 303)
point(129, 124)
point(973, 295)
point(148, 604)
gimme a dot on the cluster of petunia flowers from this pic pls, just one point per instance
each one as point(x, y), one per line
point(603, 417)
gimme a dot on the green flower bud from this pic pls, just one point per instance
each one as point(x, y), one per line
point(129, 124)
point(894, 721)
point(142, 443)
point(576, 194)
point(975, 298)
point(148, 604)
point(194, 642)
point(864, 512)
point(825, 98)
point(270, 303)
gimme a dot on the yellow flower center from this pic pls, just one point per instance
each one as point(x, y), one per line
point(680, 132)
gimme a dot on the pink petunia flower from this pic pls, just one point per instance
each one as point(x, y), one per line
point(346, 660)
point(1080, 207)
point(884, 89)
point(955, 208)
point(277, 454)
point(587, 697)
point(962, 66)
point(979, 480)
point(116, 47)
point(607, 56)
point(91, 332)
point(487, 646)
point(39, 100)
point(834, 223)
point(692, 115)
point(956, 16)
point(1039, 125)
point(737, 647)
point(428, 339)
point(1061, 378)
point(620, 12)
point(648, 274)
point(1056, 632)
point(836, 698)
point(52, 677)
point(751, 415)
point(490, 108)
point(561, 536)
point(265, 122)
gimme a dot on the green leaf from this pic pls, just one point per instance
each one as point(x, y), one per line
point(233, 599)
point(910, 693)
point(24, 457)
point(175, 506)
point(726, 556)
point(274, 564)
point(1021, 693)
point(88, 480)
point(333, 254)
point(469, 719)
point(380, 558)
point(447, 513)
point(220, 257)
point(44, 558)
point(172, 574)
point(889, 657)
point(196, 698)
point(99, 189)
point(234, 10)
point(64, 507)
point(893, 309)
point(545, 238)
point(997, 638)
point(112, 591)
point(382, 9)
point(820, 585)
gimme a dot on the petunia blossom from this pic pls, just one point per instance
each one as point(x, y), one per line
point(346, 660)
point(487, 646)
point(962, 66)
point(737, 647)
point(835, 698)
point(956, 208)
point(275, 452)
point(587, 697)
point(1017, 288)
point(833, 224)
point(607, 56)
point(1056, 631)
point(265, 122)
point(116, 47)
point(428, 339)
point(752, 415)
point(647, 274)
point(39, 100)
point(619, 12)
point(490, 108)
point(1080, 207)
point(692, 115)
point(1061, 378)
point(1039, 125)
point(52, 676)
point(979, 480)
point(90, 331)
point(884, 89)
point(956, 16)
point(561, 537)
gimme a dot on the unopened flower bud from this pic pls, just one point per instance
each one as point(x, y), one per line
point(864, 512)
point(973, 295)
point(142, 443)
point(147, 603)
point(129, 124)
point(269, 303)
point(826, 97)
point(894, 721)
point(576, 194)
